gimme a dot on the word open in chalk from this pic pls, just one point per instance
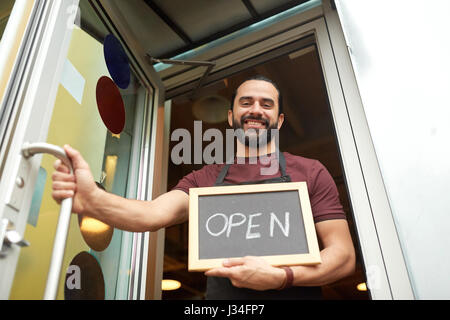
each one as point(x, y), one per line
point(251, 226)
point(271, 220)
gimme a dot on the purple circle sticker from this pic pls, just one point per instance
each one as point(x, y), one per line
point(117, 61)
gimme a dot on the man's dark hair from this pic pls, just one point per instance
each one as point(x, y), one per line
point(262, 78)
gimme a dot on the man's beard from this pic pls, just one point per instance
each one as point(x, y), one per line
point(255, 138)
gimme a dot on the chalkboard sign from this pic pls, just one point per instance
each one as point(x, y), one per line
point(270, 220)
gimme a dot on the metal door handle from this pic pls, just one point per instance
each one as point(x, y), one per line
point(62, 229)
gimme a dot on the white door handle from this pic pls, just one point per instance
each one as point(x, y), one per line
point(59, 244)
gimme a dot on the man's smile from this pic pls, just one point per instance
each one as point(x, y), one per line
point(255, 124)
point(249, 122)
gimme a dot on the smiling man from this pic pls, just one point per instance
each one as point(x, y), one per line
point(256, 112)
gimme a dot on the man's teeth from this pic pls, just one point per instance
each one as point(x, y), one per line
point(254, 123)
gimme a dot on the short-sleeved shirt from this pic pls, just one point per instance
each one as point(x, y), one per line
point(324, 197)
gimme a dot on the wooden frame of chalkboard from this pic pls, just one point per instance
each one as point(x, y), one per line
point(216, 204)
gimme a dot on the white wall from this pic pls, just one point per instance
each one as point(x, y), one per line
point(401, 54)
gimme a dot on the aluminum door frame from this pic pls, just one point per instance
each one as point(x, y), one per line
point(34, 96)
point(384, 263)
point(400, 284)
point(35, 100)
point(148, 247)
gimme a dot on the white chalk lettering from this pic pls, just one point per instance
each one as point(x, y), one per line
point(284, 229)
point(216, 234)
point(250, 235)
point(232, 224)
point(251, 230)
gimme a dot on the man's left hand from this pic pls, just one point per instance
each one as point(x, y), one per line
point(250, 272)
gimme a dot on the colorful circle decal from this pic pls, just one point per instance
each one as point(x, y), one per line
point(84, 279)
point(95, 233)
point(117, 61)
point(110, 105)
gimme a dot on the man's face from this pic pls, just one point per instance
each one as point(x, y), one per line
point(255, 111)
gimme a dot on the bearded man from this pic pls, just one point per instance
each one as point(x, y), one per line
point(256, 112)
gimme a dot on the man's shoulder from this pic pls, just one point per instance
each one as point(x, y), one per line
point(201, 177)
point(214, 167)
point(207, 172)
point(308, 167)
point(296, 159)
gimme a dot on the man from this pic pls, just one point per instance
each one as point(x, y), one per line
point(256, 108)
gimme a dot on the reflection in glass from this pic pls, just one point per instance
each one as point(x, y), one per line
point(115, 178)
point(76, 121)
point(115, 168)
point(5, 11)
point(97, 234)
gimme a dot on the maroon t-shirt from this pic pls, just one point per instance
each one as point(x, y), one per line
point(323, 194)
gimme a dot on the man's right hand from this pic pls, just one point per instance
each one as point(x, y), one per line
point(80, 185)
point(126, 214)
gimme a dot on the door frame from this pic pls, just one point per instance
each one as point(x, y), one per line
point(30, 94)
point(34, 94)
point(18, 28)
point(148, 247)
point(384, 263)
point(396, 270)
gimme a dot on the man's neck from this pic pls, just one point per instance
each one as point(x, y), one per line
point(243, 151)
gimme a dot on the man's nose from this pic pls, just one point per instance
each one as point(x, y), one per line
point(256, 108)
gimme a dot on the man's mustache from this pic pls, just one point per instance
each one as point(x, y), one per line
point(257, 118)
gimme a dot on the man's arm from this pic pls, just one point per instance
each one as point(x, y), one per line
point(126, 214)
point(338, 256)
point(338, 261)
point(139, 216)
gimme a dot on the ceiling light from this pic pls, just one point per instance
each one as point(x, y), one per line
point(211, 109)
point(168, 285)
point(361, 287)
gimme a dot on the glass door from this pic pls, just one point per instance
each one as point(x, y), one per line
point(100, 106)
point(382, 264)
point(5, 12)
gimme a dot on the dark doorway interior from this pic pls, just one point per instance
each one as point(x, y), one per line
point(308, 131)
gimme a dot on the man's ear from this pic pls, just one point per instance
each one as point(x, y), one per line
point(230, 118)
point(280, 120)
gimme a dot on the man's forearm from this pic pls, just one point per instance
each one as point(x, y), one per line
point(119, 212)
point(336, 264)
point(136, 215)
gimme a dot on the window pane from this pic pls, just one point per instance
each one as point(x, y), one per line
point(5, 11)
point(79, 121)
